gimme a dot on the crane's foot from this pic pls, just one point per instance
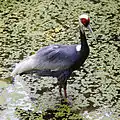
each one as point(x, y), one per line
point(66, 101)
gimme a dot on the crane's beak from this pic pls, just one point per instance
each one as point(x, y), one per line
point(90, 29)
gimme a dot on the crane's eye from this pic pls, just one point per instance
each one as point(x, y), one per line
point(85, 21)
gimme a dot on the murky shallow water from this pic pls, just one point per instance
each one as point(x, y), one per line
point(19, 96)
point(27, 26)
point(15, 96)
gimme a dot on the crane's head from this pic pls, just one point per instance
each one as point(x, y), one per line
point(84, 20)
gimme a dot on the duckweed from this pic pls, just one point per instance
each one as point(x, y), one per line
point(26, 26)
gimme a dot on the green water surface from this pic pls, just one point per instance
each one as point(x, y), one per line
point(28, 25)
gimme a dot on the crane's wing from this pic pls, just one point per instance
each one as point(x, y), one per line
point(56, 57)
point(53, 57)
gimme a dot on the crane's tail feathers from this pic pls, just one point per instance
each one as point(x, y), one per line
point(25, 65)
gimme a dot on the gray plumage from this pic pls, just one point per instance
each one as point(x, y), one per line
point(56, 60)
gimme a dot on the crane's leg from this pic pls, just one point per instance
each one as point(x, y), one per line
point(60, 90)
point(62, 81)
point(64, 87)
point(65, 91)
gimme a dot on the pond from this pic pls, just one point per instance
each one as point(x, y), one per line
point(94, 91)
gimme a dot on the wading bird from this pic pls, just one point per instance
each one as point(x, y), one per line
point(58, 60)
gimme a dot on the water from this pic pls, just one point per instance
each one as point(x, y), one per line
point(27, 26)
point(15, 97)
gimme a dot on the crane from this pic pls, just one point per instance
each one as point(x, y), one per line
point(58, 60)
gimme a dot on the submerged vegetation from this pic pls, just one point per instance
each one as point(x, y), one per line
point(26, 26)
point(60, 112)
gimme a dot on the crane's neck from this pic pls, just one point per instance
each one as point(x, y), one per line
point(83, 38)
point(82, 50)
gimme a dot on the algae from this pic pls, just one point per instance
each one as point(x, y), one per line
point(26, 26)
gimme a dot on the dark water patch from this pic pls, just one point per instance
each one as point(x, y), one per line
point(95, 1)
point(59, 112)
point(27, 115)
